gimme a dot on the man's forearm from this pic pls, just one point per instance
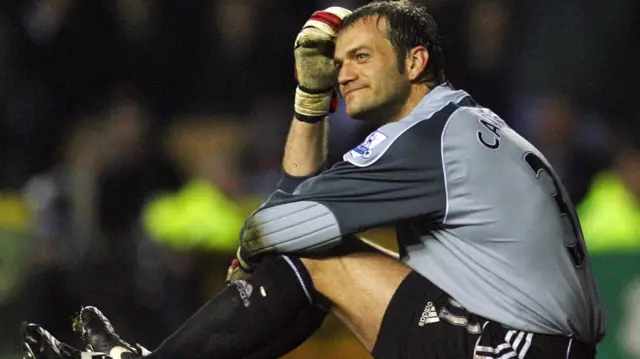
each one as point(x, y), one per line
point(306, 148)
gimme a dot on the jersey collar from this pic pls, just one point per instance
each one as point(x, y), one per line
point(434, 101)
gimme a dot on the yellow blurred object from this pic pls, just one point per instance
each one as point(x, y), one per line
point(14, 212)
point(15, 218)
point(198, 216)
point(610, 216)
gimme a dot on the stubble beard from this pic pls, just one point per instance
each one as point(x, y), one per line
point(387, 110)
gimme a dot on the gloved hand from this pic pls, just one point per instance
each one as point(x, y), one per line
point(315, 71)
point(239, 268)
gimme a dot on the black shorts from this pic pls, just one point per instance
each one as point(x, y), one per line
point(422, 321)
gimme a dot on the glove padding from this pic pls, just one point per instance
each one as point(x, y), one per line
point(315, 71)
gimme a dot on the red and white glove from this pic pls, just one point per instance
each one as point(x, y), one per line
point(315, 71)
point(239, 268)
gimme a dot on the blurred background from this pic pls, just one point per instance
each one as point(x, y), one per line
point(136, 135)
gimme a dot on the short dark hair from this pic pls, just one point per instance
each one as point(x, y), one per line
point(409, 26)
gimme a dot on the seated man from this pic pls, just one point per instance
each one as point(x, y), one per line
point(492, 260)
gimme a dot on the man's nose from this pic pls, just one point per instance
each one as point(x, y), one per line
point(346, 74)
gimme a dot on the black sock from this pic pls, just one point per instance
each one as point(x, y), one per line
point(246, 316)
point(306, 324)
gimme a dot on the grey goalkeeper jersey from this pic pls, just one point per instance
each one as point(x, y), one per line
point(478, 211)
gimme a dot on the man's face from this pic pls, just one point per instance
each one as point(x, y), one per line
point(370, 81)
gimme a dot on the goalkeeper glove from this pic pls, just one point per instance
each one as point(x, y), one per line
point(315, 71)
point(239, 268)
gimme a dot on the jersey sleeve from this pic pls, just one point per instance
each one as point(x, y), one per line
point(395, 175)
point(289, 183)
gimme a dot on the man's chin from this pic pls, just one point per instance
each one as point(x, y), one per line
point(357, 113)
point(361, 115)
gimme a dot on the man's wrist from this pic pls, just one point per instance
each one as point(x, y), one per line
point(309, 119)
point(313, 107)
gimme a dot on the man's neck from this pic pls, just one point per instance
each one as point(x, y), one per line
point(416, 94)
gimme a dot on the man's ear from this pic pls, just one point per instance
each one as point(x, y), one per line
point(416, 62)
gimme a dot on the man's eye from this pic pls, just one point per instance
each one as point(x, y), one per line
point(362, 57)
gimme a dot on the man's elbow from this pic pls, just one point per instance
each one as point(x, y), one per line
point(291, 228)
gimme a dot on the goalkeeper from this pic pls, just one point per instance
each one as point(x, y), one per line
point(493, 260)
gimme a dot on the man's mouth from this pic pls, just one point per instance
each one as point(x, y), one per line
point(350, 91)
